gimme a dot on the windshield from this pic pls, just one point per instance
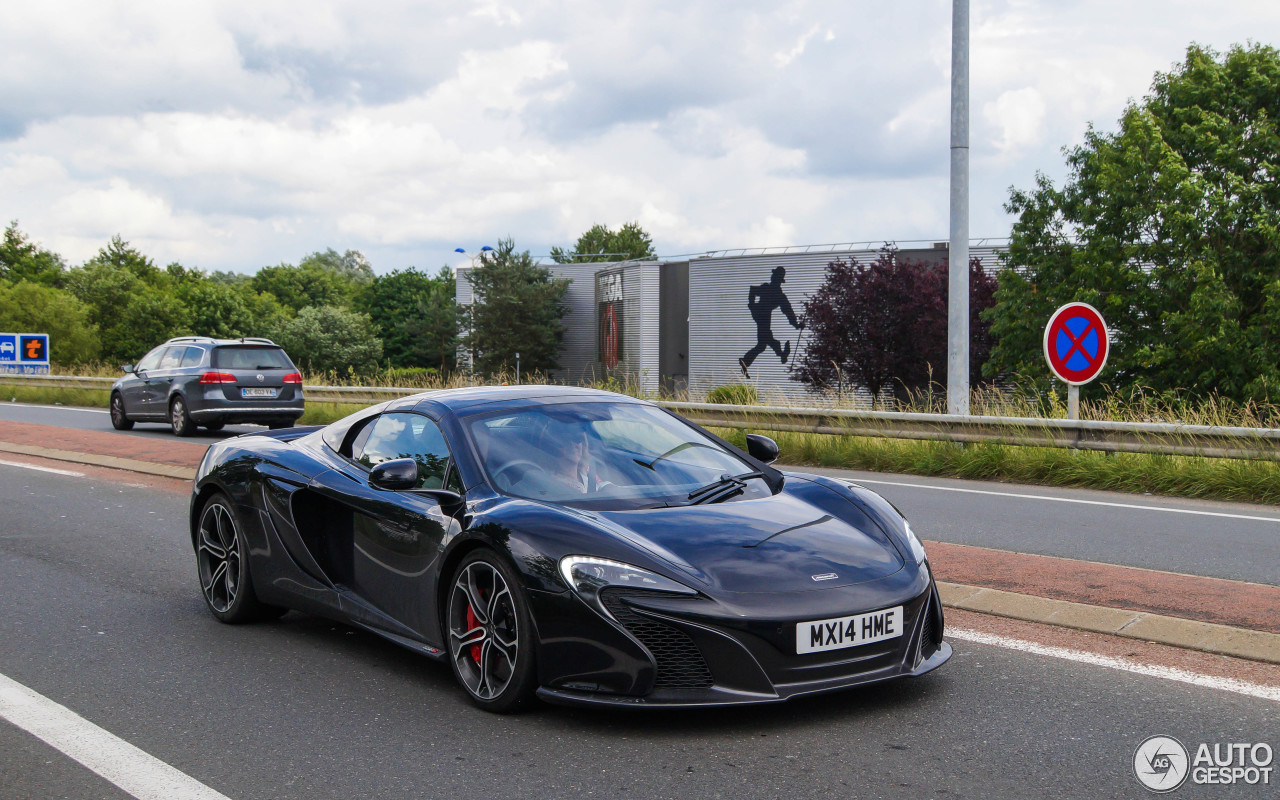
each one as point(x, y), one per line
point(607, 456)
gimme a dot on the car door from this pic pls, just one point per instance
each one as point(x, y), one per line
point(133, 390)
point(397, 536)
point(159, 380)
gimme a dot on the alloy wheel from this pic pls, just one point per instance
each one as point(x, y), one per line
point(219, 557)
point(484, 630)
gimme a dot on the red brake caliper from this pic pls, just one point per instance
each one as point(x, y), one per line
point(472, 622)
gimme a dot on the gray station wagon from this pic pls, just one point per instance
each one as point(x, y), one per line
point(197, 381)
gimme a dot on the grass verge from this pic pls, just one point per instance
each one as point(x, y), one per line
point(49, 396)
point(1139, 473)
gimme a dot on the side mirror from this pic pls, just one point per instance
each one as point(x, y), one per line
point(401, 473)
point(762, 448)
point(126, 368)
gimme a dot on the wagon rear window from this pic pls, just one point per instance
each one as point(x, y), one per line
point(251, 358)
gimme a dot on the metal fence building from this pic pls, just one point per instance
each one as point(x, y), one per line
point(696, 323)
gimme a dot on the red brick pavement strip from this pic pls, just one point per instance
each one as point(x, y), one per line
point(1235, 603)
point(172, 452)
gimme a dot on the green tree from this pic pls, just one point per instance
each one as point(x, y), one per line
point(417, 316)
point(518, 307)
point(308, 284)
point(1171, 228)
point(21, 259)
point(599, 243)
point(351, 266)
point(217, 310)
point(131, 301)
point(332, 339)
point(35, 308)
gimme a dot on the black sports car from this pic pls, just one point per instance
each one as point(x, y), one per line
point(574, 545)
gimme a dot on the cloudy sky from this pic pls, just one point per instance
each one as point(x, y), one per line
point(230, 135)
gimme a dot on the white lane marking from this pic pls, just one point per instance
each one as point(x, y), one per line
point(58, 408)
point(1068, 500)
point(1168, 673)
point(42, 469)
point(140, 774)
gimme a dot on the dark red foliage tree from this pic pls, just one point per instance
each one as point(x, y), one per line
point(884, 326)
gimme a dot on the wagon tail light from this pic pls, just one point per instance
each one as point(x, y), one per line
point(293, 377)
point(217, 377)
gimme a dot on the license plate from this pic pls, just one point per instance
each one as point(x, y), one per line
point(256, 392)
point(841, 632)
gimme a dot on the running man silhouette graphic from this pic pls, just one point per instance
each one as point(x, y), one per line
point(763, 300)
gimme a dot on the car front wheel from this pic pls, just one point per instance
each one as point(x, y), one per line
point(491, 636)
point(118, 420)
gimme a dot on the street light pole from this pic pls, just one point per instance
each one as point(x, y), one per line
point(958, 251)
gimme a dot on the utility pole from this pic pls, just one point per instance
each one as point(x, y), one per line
point(958, 252)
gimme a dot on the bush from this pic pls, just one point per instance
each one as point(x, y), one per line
point(884, 326)
point(735, 394)
point(332, 339)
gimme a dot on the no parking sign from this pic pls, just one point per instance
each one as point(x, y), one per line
point(1076, 343)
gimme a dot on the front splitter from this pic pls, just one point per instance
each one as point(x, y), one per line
point(715, 697)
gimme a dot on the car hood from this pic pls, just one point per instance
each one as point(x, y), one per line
point(796, 540)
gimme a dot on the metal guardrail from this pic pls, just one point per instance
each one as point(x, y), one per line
point(1211, 441)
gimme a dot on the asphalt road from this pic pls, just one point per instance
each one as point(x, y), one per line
point(1236, 541)
point(100, 611)
point(98, 419)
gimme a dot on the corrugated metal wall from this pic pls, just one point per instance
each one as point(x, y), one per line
point(721, 327)
point(578, 357)
point(722, 330)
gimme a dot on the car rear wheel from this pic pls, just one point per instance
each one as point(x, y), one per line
point(222, 558)
point(118, 420)
point(491, 636)
point(180, 419)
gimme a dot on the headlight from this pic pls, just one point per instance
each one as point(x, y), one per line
point(587, 575)
point(917, 549)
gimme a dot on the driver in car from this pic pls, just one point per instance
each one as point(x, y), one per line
point(571, 461)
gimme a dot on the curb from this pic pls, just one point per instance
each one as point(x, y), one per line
point(1174, 631)
point(115, 462)
point(1188, 634)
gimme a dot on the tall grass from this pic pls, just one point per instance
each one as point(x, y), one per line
point(1183, 476)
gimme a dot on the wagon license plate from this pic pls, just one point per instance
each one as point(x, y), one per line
point(256, 392)
point(841, 632)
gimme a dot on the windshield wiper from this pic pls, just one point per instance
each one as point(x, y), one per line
point(673, 451)
point(722, 488)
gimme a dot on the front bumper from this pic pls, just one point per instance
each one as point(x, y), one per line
point(728, 697)
point(641, 658)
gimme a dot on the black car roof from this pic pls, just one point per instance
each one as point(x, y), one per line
point(472, 397)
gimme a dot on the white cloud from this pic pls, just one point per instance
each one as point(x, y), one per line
point(235, 134)
point(783, 58)
point(1018, 115)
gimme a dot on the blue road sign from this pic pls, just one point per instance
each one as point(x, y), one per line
point(24, 353)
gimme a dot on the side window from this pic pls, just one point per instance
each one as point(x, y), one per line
point(403, 435)
point(192, 357)
point(172, 358)
point(150, 360)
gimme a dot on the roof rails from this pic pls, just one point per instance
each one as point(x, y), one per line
point(244, 339)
